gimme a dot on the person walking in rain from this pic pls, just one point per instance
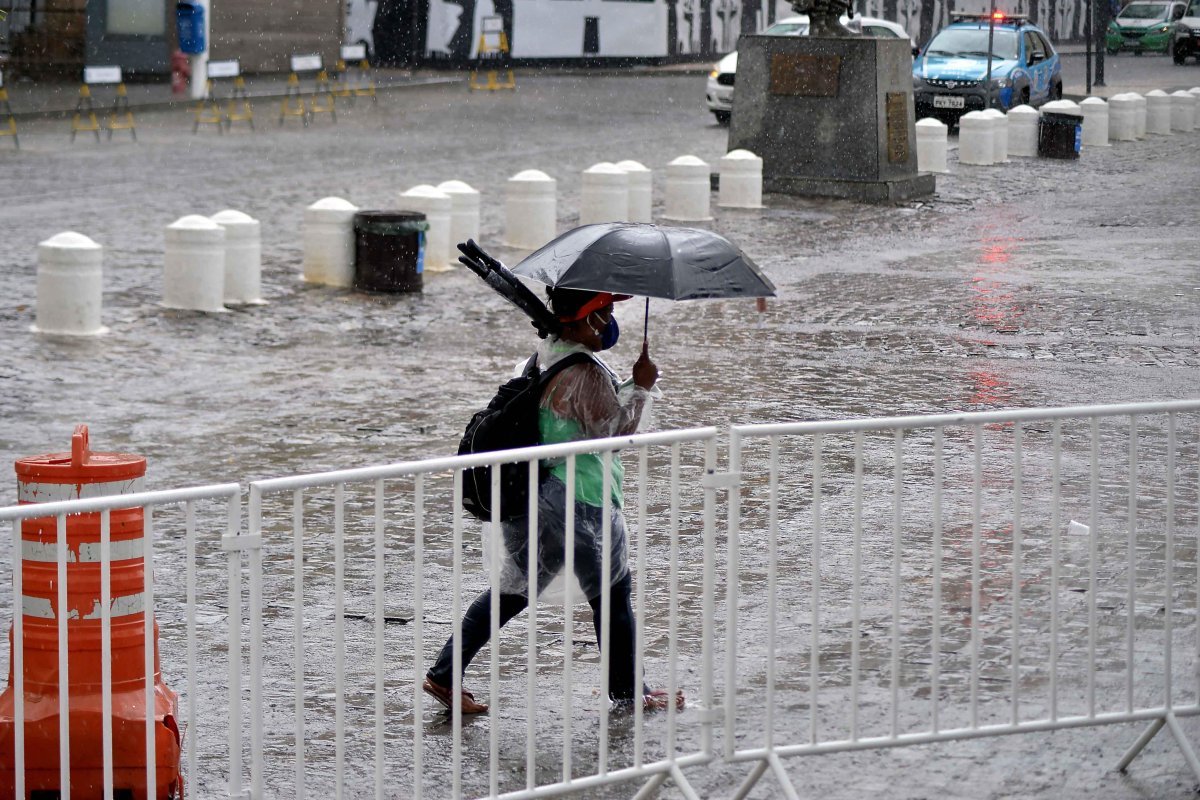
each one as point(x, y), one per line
point(580, 402)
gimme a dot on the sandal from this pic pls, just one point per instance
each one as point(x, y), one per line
point(658, 700)
point(445, 696)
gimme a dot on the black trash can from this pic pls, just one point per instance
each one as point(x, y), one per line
point(389, 250)
point(1060, 135)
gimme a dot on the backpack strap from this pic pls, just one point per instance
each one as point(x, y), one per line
point(561, 364)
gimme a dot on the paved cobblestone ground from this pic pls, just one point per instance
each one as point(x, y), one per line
point(1031, 284)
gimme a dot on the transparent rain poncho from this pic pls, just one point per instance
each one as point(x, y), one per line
point(584, 401)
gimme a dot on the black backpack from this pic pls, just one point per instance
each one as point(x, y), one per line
point(509, 421)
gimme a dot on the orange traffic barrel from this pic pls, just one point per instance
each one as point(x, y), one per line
point(53, 477)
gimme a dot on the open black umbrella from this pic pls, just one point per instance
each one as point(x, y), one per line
point(647, 260)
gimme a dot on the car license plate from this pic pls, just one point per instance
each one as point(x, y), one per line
point(947, 101)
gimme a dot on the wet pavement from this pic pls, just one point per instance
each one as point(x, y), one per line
point(1034, 283)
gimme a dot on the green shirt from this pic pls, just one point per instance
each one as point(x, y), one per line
point(589, 468)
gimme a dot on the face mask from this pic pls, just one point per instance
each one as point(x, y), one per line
point(609, 335)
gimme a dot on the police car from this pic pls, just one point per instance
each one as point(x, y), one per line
point(949, 74)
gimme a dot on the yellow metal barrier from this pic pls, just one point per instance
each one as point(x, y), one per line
point(343, 86)
point(84, 104)
point(293, 102)
point(365, 85)
point(121, 116)
point(490, 49)
point(9, 128)
point(239, 105)
point(208, 110)
point(317, 105)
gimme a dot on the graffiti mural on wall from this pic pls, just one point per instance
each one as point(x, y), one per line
point(410, 31)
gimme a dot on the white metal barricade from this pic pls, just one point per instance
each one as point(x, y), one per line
point(949, 539)
point(186, 607)
point(396, 535)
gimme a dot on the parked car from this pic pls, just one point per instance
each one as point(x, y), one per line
point(1144, 26)
point(949, 74)
point(719, 96)
point(1185, 40)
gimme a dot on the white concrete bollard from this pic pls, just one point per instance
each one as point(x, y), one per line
point(999, 135)
point(605, 194)
point(975, 142)
point(641, 191)
point(1122, 125)
point(689, 187)
point(437, 207)
point(1183, 111)
point(243, 257)
point(530, 210)
point(1139, 115)
point(1023, 122)
point(932, 145)
point(194, 265)
point(1158, 113)
point(464, 213)
point(69, 285)
point(329, 242)
point(1095, 122)
point(741, 180)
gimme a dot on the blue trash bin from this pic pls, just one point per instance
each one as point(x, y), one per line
point(189, 23)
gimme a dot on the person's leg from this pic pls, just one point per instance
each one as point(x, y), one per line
point(621, 672)
point(476, 630)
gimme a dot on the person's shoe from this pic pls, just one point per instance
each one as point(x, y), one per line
point(445, 696)
point(659, 700)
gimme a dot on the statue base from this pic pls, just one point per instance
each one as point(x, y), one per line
point(830, 117)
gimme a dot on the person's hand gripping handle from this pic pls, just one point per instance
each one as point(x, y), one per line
point(645, 373)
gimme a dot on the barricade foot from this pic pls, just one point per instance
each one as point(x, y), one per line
point(651, 788)
point(1171, 723)
point(681, 783)
point(1141, 743)
point(751, 780)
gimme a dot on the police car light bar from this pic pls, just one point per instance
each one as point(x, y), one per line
point(999, 16)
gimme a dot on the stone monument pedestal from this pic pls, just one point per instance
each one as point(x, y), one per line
point(829, 117)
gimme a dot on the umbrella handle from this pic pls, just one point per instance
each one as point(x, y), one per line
point(646, 326)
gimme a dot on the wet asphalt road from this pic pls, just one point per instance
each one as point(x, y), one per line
point(1032, 284)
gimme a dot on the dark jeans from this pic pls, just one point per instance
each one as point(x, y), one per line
point(477, 628)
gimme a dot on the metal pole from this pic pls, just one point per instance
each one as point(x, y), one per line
point(1101, 33)
point(1088, 36)
point(987, 78)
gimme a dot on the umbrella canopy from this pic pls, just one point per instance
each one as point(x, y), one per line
point(647, 260)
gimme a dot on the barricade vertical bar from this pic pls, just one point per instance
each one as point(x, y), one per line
point(1169, 592)
point(531, 591)
point(256, 659)
point(339, 641)
point(897, 516)
point(568, 619)
point(148, 640)
point(605, 642)
point(1093, 557)
point(814, 658)
point(298, 633)
point(772, 586)
point(494, 640)
point(1131, 557)
point(64, 708)
point(418, 630)
point(732, 571)
point(639, 648)
point(456, 651)
point(379, 687)
point(18, 665)
point(1017, 544)
point(935, 671)
point(710, 581)
point(856, 584)
point(235, 658)
point(1055, 524)
point(192, 683)
point(976, 509)
point(106, 709)
point(673, 616)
